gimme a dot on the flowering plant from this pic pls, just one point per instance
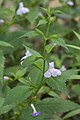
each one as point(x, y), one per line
point(33, 64)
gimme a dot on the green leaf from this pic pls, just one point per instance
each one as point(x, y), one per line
point(47, 10)
point(43, 90)
point(20, 73)
point(73, 46)
point(17, 95)
point(58, 85)
point(23, 80)
point(76, 89)
point(75, 77)
point(30, 34)
point(66, 75)
point(32, 15)
point(54, 36)
point(49, 47)
point(2, 60)
point(5, 109)
point(5, 44)
point(60, 42)
point(14, 97)
point(72, 113)
point(29, 61)
point(58, 11)
point(12, 39)
point(52, 105)
point(10, 71)
point(52, 117)
point(1, 101)
point(39, 64)
point(35, 77)
point(78, 36)
point(53, 94)
point(42, 22)
point(40, 33)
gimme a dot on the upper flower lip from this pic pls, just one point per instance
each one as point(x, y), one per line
point(52, 71)
point(51, 65)
point(22, 10)
point(27, 54)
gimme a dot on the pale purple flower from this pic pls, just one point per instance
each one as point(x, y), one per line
point(22, 10)
point(35, 113)
point(52, 71)
point(1, 21)
point(63, 68)
point(27, 54)
point(70, 3)
point(6, 78)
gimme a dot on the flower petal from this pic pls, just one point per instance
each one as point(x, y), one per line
point(21, 4)
point(25, 10)
point(70, 3)
point(19, 12)
point(27, 54)
point(6, 78)
point(34, 114)
point(23, 58)
point(22, 10)
point(51, 65)
point(47, 74)
point(55, 72)
point(63, 68)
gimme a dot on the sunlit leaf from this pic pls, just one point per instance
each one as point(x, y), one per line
point(72, 113)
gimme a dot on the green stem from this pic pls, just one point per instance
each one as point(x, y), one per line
point(44, 61)
point(47, 32)
point(44, 53)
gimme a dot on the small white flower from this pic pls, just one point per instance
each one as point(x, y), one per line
point(6, 78)
point(35, 112)
point(52, 71)
point(70, 3)
point(63, 68)
point(1, 21)
point(22, 10)
point(27, 54)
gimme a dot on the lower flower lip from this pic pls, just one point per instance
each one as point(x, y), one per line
point(35, 114)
